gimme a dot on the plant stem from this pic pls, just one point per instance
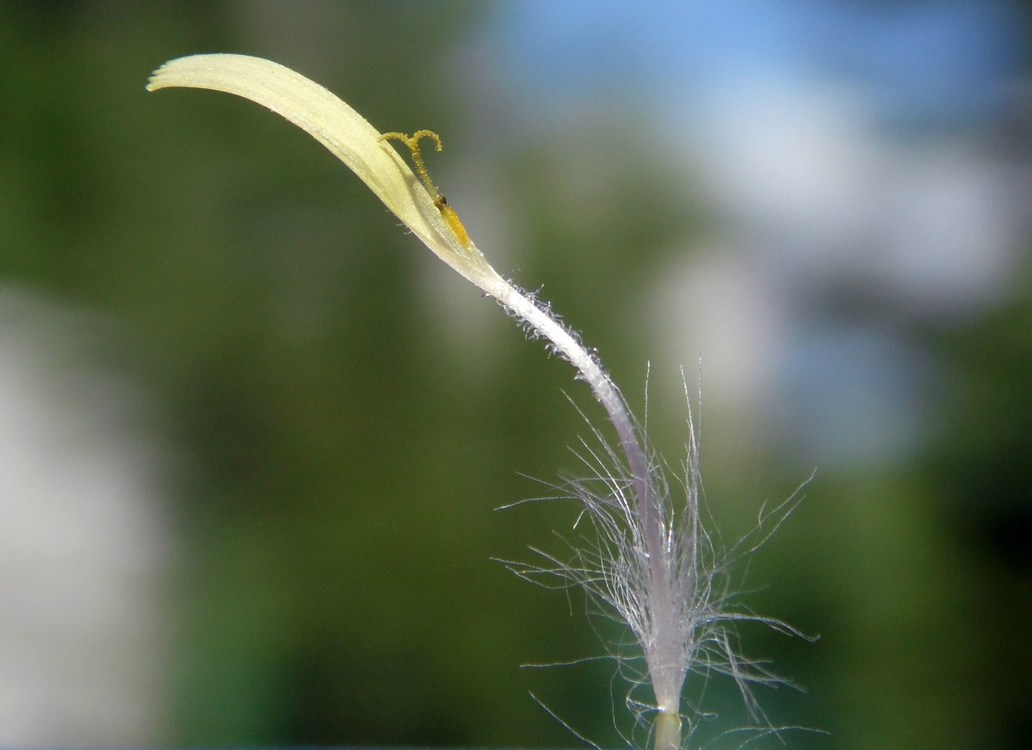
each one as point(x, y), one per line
point(668, 731)
point(663, 649)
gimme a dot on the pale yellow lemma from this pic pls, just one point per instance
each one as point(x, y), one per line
point(349, 136)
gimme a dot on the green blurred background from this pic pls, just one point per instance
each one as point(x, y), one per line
point(254, 434)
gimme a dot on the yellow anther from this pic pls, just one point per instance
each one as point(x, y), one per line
point(452, 219)
point(447, 212)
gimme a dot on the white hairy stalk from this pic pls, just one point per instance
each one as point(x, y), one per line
point(646, 564)
point(657, 619)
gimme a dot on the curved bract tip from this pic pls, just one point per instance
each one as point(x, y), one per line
point(348, 135)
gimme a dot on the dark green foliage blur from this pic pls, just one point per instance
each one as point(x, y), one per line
point(341, 443)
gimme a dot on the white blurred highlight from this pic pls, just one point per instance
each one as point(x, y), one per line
point(82, 544)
